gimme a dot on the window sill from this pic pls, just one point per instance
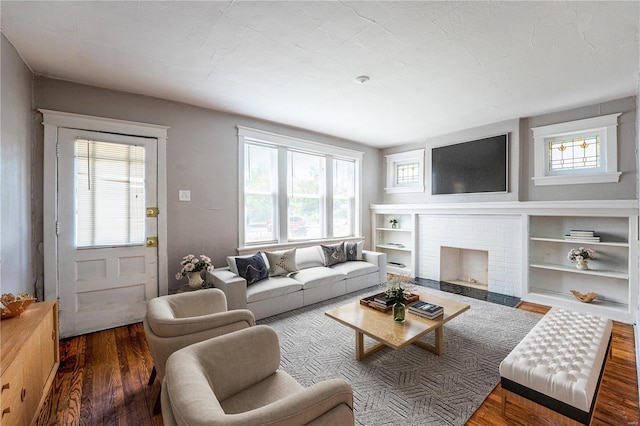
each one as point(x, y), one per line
point(404, 189)
point(610, 177)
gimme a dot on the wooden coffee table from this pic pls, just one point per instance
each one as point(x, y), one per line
point(380, 326)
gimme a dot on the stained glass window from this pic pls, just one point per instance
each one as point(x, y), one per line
point(407, 173)
point(576, 153)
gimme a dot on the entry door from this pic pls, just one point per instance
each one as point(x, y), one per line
point(107, 268)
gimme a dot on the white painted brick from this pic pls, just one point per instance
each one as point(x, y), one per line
point(499, 235)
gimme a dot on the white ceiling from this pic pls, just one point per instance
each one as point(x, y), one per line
point(435, 67)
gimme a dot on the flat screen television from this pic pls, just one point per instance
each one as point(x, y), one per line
point(478, 166)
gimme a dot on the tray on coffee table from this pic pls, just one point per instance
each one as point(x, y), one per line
point(368, 301)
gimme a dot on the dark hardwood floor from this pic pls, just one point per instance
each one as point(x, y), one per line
point(102, 380)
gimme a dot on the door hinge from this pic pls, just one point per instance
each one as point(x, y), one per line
point(57, 149)
point(57, 228)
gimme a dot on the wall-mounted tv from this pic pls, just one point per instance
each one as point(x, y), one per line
point(478, 166)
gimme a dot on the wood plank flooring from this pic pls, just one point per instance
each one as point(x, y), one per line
point(102, 380)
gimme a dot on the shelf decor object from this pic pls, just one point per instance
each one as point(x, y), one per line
point(580, 256)
point(586, 298)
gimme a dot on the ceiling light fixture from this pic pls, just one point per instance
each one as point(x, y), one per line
point(361, 79)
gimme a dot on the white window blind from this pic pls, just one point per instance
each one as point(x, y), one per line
point(110, 198)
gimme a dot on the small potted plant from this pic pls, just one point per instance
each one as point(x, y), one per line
point(580, 256)
point(394, 223)
point(397, 291)
point(191, 267)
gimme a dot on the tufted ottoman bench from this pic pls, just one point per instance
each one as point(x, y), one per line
point(559, 365)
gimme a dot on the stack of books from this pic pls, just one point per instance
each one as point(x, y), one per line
point(579, 235)
point(426, 310)
point(383, 301)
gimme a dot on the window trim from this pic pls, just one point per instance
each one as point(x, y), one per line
point(255, 136)
point(606, 126)
point(394, 160)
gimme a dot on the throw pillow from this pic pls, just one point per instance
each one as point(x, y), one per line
point(354, 250)
point(334, 254)
point(282, 263)
point(252, 269)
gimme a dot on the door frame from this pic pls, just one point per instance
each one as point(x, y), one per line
point(52, 121)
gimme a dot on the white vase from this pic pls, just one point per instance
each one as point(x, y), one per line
point(582, 264)
point(195, 280)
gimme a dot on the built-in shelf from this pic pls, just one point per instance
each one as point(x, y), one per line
point(392, 247)
point(384, 236)
point(596, 304)
point(601, 273)
point(612, 273)
point(574, 242)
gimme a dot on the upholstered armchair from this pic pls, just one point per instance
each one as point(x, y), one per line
point(178, 320)
point(234, 380)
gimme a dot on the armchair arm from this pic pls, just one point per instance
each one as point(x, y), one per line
point(233, 286)
point(302, 407)
point(378, 259)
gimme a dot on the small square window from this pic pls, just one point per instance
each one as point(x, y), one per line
point(582, 151)
point(405, 172)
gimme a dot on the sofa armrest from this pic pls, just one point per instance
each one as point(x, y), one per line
point(378, 259)
point(233, 286)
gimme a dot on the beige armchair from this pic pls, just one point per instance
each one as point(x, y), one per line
point(234, 380)
point(178, 320)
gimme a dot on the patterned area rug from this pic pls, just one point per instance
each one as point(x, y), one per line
point(410, 386)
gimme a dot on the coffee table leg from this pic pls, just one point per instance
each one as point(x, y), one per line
point(361, 352)
point(438, 348)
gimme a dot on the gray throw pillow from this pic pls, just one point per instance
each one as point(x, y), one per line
point(334, 254)
point(252, 269)
point(354, 250)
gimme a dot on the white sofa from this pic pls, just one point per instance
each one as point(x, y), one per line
point(313, 282)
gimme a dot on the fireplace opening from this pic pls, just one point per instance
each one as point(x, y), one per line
point(463, 266)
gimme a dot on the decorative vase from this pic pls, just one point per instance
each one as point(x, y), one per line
point(398, 312)
point(195, 280)
point(582, 264)
point(394, 225)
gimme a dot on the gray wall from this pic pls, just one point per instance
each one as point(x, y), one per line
point(521, 186)
point(16, 254)
point(202, 156)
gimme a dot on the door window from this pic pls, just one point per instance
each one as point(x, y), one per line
point(110, 198)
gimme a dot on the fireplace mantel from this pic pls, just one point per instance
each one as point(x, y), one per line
point(527, 248)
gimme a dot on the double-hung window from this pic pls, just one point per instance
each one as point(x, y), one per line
point(293, 190)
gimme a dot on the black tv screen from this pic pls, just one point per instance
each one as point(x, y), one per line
point(471, 167)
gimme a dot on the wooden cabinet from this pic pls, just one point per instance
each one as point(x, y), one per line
point(397, 241)
point(30, 359)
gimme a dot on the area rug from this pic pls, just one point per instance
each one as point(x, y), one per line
point(410, 386)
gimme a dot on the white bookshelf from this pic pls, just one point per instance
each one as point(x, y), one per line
point(611, 274)
point(398, 243)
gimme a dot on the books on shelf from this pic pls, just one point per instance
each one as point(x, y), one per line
point(426, 310)
point(582, 235)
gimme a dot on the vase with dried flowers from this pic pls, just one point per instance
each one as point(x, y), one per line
point(580, 256)
point(192, 267)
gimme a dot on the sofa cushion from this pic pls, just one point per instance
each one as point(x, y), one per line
point(355, 269)
point(231, 261)
point(334, 254)
point(252, 269)
point(309, 257)
point(282, 262)
point(354, 250)
point(272, 287)
point(318, 276)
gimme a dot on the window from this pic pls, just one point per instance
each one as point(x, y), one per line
point(583, 151)
point(110, 196)
point(295, 190)
point(405, 172)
